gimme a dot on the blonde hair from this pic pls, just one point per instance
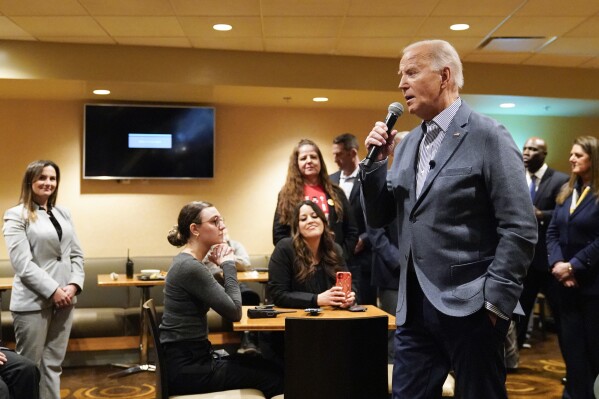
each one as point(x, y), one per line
point(32, 173)
point(590, 146)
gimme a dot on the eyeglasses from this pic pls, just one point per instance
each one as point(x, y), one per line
point(216, 221)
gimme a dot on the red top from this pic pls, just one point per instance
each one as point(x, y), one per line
point(317, 195)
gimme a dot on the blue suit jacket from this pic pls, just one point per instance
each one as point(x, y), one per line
point(575, 238)
point(549, 188)
point(380, 255)
point(386, 256)
point(472, 231)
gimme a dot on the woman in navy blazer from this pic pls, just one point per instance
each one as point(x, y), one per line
point(573, 250)
point(48, 262)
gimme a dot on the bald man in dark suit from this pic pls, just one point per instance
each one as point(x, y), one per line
point(548, 183)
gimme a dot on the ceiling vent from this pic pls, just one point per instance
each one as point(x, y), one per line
point(527, 44)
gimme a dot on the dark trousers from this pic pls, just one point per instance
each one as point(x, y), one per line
point(388, 299)
point(430, 344)
point(580, 346)
point(192, 368)
point(361, 269)
point(19, 377)
point(536, 281)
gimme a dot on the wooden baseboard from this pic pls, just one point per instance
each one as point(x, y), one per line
point(131, 342)
point(103, 343)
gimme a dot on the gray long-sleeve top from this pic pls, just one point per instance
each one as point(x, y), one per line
point(190, 291)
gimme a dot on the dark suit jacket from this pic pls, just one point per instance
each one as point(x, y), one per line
point(549, 187)
point(363, 260)
point(575, 238)
point(471, 233)
point(385, 256)
point(379, 257)
point(354, 202)
point(346, 232)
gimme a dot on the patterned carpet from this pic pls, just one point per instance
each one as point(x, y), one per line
point(539, 377)
point(540, 372)
point(93, 383)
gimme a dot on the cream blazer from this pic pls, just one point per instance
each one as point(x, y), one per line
point(41, 262)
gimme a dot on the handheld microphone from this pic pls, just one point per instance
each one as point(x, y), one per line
point(395, 111)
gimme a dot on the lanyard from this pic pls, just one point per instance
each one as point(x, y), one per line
point(576, 201)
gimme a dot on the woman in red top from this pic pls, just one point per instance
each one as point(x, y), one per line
point(308, 179)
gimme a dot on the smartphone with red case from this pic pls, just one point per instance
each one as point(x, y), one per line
point(344, 281)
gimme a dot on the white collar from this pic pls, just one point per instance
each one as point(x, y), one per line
point(354, 174)
point(539, 173)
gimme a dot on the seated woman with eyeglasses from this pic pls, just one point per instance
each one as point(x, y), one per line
point(303, 267)
point(190, 291)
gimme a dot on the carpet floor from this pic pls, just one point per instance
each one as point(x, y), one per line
point(539, 377)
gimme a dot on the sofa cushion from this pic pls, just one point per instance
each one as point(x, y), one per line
point(113, 311)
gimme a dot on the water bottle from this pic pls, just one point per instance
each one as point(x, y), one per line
point(129, 266)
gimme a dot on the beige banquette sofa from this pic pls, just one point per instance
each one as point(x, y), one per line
point(108, 318)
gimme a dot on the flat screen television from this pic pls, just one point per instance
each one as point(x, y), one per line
point(123, 141)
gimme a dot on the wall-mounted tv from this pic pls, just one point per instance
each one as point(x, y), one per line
point(123, 141)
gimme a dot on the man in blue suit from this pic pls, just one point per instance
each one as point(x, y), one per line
point(466, 231)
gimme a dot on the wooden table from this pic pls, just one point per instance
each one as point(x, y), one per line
point(122, 281)
point(330, 359)
point(252, 277)
point(104, 280)
point(278, 323)
point(5, 284)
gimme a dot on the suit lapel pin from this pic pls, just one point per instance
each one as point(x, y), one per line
point(456, 134)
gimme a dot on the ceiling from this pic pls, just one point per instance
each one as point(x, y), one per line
point(567, 32)
point(548, 33)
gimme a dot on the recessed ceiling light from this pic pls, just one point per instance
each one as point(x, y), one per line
point(459, 27)
point(222, 27)
point(101, 92)
point(320, 99)
point(507, 105)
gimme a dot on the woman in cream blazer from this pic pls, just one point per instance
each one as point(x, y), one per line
point(48, 263)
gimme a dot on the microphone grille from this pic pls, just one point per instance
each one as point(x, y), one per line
point(396, 108)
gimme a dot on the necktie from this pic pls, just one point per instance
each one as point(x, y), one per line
point(533, 187)
point(425, 155)
point(54, 222)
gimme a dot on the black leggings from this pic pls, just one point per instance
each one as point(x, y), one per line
point(193, 368)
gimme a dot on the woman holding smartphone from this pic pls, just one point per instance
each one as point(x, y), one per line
point(302, 272)
point(302, 269)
